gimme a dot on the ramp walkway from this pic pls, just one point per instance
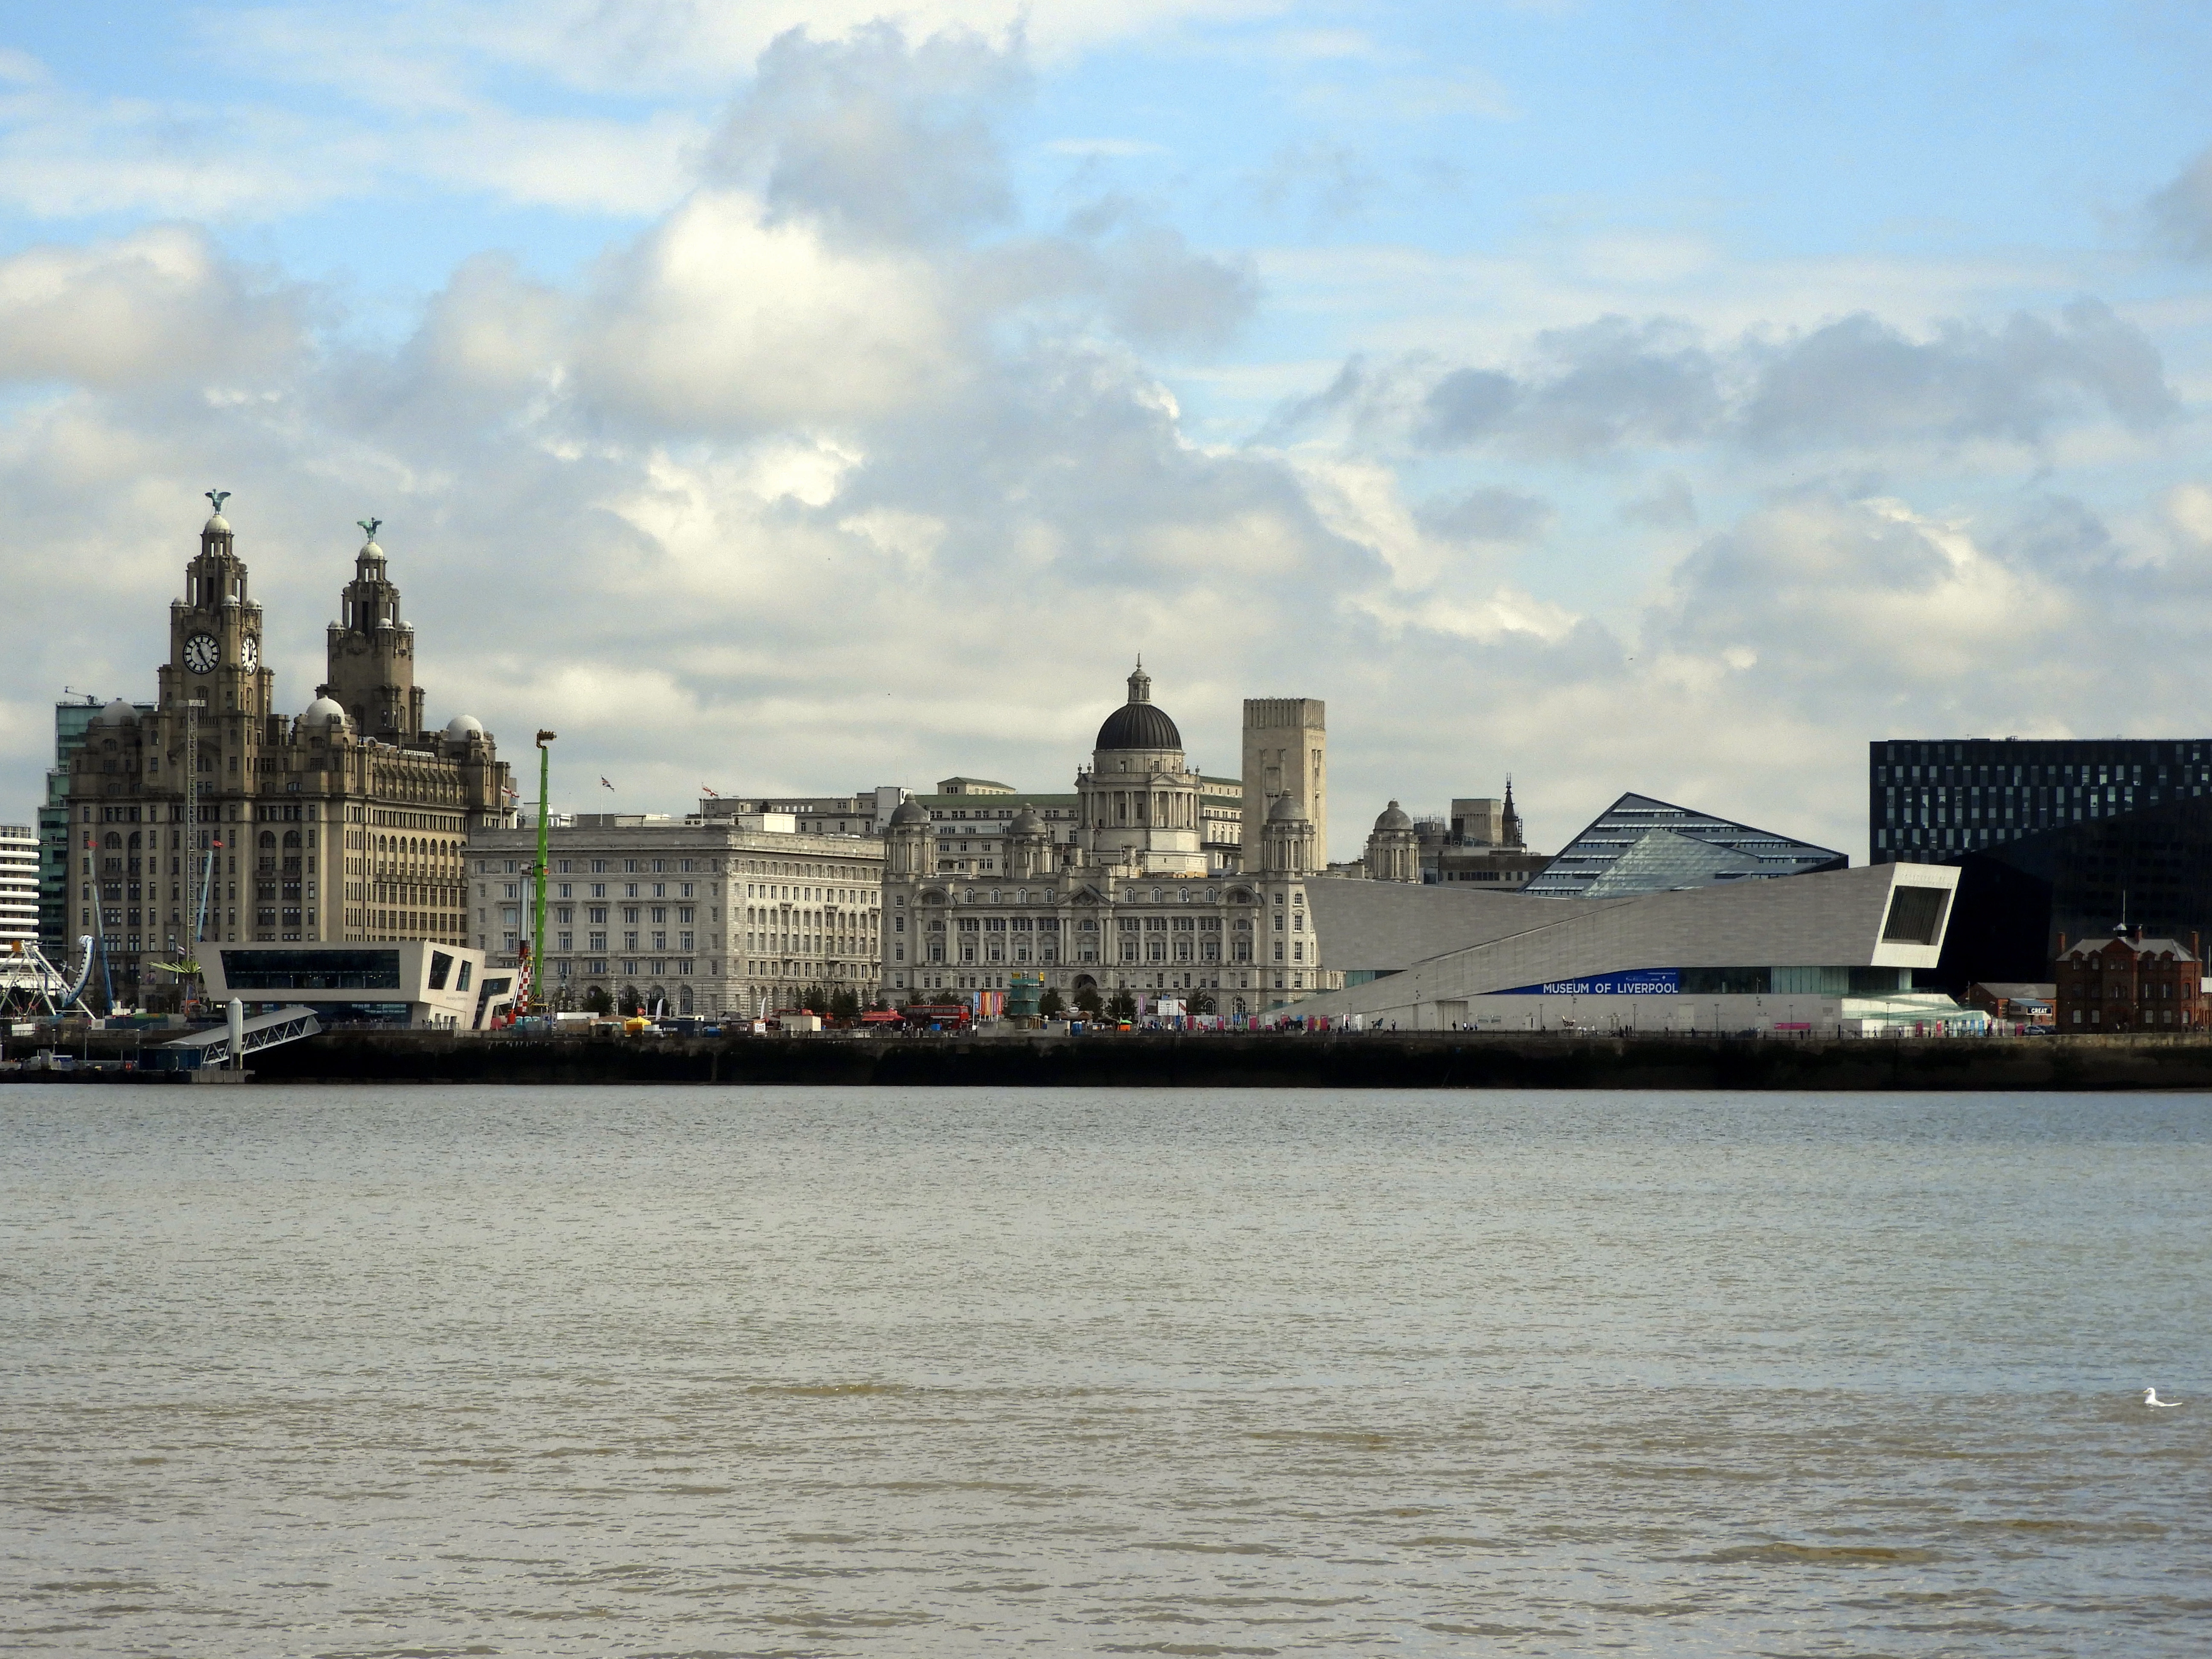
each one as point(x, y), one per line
point(212, 1047)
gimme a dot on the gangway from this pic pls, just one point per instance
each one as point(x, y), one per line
point(204, 1049)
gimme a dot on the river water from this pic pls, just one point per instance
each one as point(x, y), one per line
point(691, 1371)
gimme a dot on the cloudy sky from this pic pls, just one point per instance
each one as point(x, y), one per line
point(1664, 395)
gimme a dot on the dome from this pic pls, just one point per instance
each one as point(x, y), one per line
point(909, 812)
point(1393, 817)
point(323, 711)
point(369, 549)
point(1138, 723)
point(461, 727)
point(216, 525)
point(1026, 822)
point(119, 713)
point(1284, 810)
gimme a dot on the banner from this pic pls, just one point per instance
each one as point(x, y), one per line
point(1629, 982)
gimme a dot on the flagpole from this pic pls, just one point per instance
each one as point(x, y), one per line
point(537, 921)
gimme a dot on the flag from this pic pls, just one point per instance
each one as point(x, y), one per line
point(604, 784)
point(710, 791)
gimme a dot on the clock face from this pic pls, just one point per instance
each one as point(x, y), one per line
point(201, 653)
point(249, 653)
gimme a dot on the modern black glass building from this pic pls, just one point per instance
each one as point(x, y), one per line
point(2058, 838)
point(1930, 798)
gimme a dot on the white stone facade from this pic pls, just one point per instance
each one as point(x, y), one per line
point(1788, 955)
point(1132, 901)
point(705, 918)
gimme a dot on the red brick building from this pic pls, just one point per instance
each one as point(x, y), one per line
point(2131, 984)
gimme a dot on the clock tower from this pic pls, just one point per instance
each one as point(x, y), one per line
point(214, 651)
point(372, 654)
point(236, 823)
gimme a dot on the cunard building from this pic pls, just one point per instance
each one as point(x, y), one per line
point(344, 823)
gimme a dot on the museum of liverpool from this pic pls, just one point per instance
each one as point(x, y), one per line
point(1825, 955)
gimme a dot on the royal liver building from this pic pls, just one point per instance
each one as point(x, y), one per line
point(1129, 904)
point(346, 822)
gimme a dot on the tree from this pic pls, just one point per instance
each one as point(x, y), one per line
point(1121, 1005)
point(598, 1001)
point(629, 1004)
point(1087, 1000)
point(1202, 1002)
point(815, 999)
point(845, 1005)
point(1051, 1005)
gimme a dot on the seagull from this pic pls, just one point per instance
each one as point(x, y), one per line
point(2150, 1398)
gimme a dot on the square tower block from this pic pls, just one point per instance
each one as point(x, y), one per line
point(1286, 753)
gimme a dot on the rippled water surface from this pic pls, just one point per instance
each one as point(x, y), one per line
point(702, 1371)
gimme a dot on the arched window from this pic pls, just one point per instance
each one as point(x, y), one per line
point(114, 841)
point(269, 839)
point(291, 840)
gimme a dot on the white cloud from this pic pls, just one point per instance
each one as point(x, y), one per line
point(719, 321)
point(156, 307)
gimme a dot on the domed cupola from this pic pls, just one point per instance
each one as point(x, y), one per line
point(1394, 849)
point(910, 843)
point(1140, 723)
point(1139, 798)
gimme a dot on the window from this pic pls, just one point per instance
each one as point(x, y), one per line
point(1915, 915)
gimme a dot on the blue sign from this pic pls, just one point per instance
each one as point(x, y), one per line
point(1629, 982)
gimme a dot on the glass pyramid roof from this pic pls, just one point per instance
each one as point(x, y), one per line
point(1640, 845)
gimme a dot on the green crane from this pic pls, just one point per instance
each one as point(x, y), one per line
point(537, 998)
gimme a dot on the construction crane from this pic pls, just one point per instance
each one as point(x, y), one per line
point(534, 987)
point(189, 963)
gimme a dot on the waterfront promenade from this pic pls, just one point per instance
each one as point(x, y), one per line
point(1141, 1060)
